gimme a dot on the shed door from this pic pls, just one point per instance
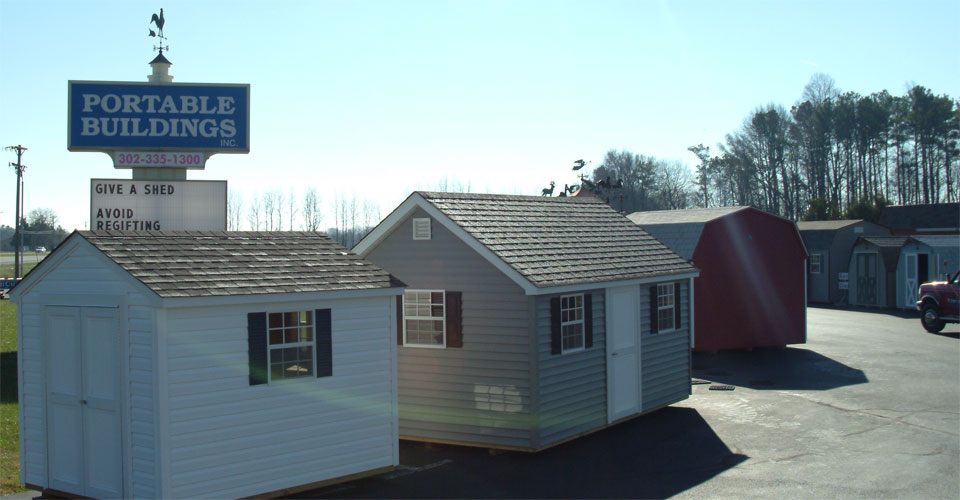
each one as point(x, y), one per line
point(83, 400)
point(910, 290)
point(623, 352)
point(867, 278)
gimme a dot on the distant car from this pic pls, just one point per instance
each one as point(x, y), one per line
point(40, 249)
point(939, 303)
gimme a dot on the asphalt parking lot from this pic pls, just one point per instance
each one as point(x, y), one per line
point(869, 407)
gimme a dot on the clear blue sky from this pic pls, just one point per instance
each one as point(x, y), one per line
point(380, 98)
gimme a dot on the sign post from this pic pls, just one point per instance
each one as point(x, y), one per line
point(159, 130)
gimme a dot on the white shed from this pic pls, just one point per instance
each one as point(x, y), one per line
point(204, 364)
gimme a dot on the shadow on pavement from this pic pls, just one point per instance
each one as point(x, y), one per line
point(775, 368)
point(653, 456)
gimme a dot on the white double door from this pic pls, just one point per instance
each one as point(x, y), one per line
point(84, 452)
point(623, 352)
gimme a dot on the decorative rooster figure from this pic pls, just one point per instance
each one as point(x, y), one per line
point(158, 21)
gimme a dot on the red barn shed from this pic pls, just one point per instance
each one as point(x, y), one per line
point(752, 286)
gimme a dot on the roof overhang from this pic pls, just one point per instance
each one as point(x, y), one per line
point(276, 298)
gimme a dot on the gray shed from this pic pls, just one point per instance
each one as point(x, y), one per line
point(886, 271)
point(529, 320)
point(204, 364)
point(829, 245)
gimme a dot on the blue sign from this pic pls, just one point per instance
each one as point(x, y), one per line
point(108, 116)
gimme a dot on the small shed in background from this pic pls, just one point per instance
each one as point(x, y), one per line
point(531, 320)
point(829, 244)
point(886, 271)
point(873, 270)
point(751, 291)
point(928, 219)
point(204, 364)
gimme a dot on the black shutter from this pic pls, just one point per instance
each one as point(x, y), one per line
point(257, 347)
point(400, 319)
point(588, 320)
point(323, 336)
point(454, 308)
point(654, 319)
point(676, 305)
point(555, 346)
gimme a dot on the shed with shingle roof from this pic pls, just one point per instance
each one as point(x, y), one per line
point(751, 290)
point(204, 364)
point(886, 271)
point(830, 244)
point(530, 320)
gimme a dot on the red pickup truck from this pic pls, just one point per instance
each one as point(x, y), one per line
point(939, 303)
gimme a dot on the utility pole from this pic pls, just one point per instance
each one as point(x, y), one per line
point(17, 234)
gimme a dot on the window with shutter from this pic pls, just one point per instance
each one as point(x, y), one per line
point(430, 318)
point(289, 345)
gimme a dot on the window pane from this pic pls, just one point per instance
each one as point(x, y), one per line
point(436, 311)
point(290, 319)
point(306, 353)
point(410, 308)
point(276, 320)
point(306, 334)
point(436, 297)
point(579, 300)
point(665, 318)
point(276, 337)
point(289, 354)
point(276, 371)
point(423, 310)
point(306, 318)
point(290, 335)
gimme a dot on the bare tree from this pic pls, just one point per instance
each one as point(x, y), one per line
point(292, 209)
point(819, 89)
point(255, 215)
point(312, 216)
point(278, 207)
point(234, 206)
point(269, 205)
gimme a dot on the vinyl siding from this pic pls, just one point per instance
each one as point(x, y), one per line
point(70, 280)
point(665, 362)
point(572, 387)
point(141, 332)
point(33, 447)
point(229, 439)
point(480, 393)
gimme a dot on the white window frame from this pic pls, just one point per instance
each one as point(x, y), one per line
point(573, 322)
point(312, 344)
point(819, 261)
point(420, 223)
point(670, 296)
point(443, 317)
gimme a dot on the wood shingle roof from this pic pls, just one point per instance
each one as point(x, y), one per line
point(220, 263)
point(554, 241)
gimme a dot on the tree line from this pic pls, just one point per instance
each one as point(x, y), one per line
point(274, 210)
point(41, 228)
point(832, 155)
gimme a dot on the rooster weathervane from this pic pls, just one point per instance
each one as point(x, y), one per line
point(158, 21)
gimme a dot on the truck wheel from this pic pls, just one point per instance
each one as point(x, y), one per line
point(930, 317)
